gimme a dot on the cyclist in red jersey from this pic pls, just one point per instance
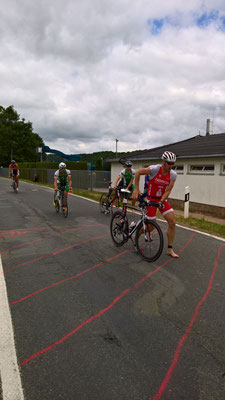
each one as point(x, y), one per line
point(14, 172)
point(161, 182)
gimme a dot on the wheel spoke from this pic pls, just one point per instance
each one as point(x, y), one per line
point(149, 241)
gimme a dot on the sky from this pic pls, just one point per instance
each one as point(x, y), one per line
point(85, 73)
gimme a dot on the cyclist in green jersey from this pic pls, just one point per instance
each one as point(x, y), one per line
point(62, 177)
point(126, 178)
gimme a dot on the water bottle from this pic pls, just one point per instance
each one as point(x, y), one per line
point(132, 225)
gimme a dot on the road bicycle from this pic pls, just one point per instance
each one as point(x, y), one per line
point(14, 185)
point(60, 201)
point(107, 201)
point(148, 240)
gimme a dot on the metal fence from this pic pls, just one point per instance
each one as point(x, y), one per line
point(88, 180)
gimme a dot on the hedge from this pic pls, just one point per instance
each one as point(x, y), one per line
point(73, 165)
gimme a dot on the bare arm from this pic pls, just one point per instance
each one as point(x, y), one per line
point(116, 181)
point(142, 171)
point(70, 181)
point(131, 181)
point(167, 192)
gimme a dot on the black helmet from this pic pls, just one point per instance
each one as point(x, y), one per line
point(128, 163)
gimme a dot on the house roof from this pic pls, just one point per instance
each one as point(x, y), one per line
point(197, 146)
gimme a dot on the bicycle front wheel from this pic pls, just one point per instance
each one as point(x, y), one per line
point(64, 207)
point(119, 228)
point(149, 240)
point(104, 204)
point(57, 206)
point(14, 187)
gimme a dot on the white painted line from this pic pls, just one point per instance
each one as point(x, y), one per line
point(10, 375)
point(162, 220)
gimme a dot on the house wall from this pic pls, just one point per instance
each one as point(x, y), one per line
point(205, 187)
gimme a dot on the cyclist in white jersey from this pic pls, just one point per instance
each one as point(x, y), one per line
point(161, 182)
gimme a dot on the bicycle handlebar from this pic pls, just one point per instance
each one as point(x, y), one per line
point(149, 203)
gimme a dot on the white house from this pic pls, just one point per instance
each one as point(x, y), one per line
point(200, 165)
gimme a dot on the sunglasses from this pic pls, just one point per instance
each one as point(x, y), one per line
point(170, 163)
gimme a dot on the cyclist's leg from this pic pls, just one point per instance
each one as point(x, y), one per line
point(66, 190)
point(17, 181)
point(133, 201)
point(169, 216)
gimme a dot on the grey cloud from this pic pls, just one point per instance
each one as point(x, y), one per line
point(86, 73)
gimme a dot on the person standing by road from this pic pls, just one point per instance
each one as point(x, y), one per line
point(161, 183)
point(126, 178)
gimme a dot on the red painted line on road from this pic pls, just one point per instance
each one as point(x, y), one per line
point(188, 330)
point(46, 237)
point(81, 273)
point(78, 328)
point(35, 229)
point(55, 253)
point(93, 317)
point(21, 245)
point(69, 278)
point(163, 265)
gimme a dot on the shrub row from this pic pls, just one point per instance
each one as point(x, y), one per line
point(73, 165)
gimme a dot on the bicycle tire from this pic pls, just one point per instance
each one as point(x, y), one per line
point(57, 206)
point(149, 244)
point(64, 206)
point(119, 228)
point(104, 204)
point(14, 187)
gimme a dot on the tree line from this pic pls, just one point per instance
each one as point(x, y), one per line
point(19, 142)
point(17, 139)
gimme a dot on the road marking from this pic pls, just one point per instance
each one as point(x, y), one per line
point(10, 375)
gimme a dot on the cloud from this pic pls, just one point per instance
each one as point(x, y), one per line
point(86, 73)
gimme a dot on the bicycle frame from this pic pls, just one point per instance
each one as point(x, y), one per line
point(141, 209)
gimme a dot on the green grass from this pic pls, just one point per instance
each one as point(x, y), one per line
point(195, 223)
point(202, 225)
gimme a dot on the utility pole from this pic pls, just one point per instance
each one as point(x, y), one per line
point(116, 146)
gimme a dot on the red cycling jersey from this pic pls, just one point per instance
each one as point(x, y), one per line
point(157, 185)
point(14, 167)
point(159, 182)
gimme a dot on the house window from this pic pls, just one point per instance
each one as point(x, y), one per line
point(179, 169)
point(201, 169)
point(222, 169)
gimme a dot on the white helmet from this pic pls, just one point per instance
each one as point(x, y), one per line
point(169, 156)
point(62, 165)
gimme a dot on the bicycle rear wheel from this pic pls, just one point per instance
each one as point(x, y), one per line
point(149, 240)
point(119, 228)
point(104, 204)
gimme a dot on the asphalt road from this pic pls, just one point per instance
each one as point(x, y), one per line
point(95, 322)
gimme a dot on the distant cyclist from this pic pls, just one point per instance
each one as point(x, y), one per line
point(126, 178)
point(161, 182)
point(62, 177)
point(14, 172)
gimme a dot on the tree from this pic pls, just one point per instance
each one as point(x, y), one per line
point(17, 139)
point(98, 164)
